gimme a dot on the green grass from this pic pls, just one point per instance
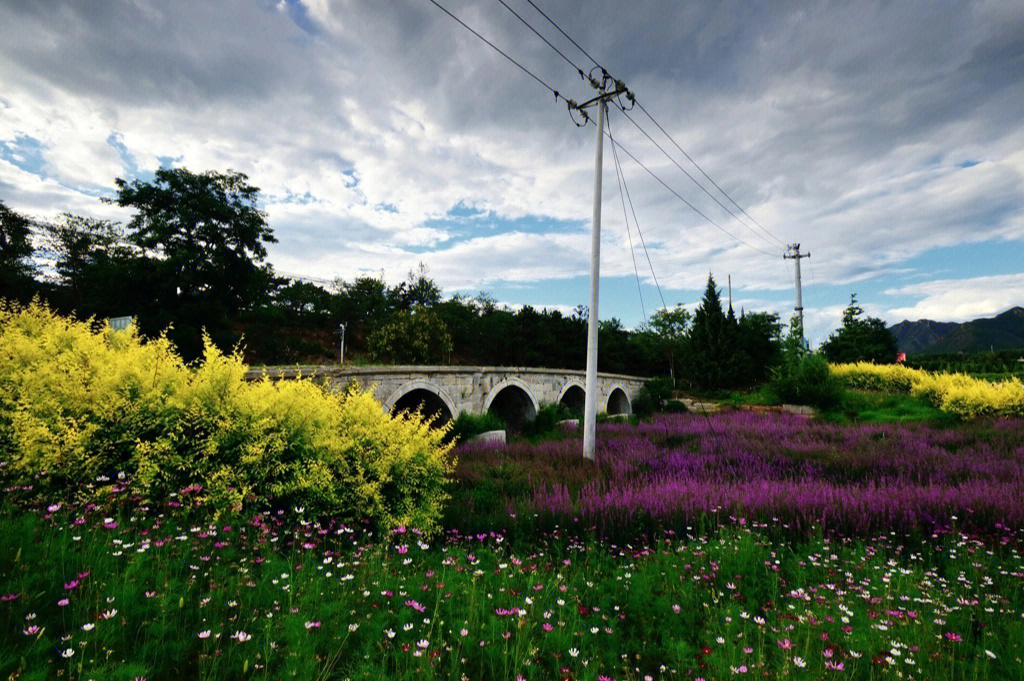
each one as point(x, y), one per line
point(870, 407)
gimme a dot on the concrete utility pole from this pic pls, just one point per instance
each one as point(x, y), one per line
point(590, 398)
point(793, 253)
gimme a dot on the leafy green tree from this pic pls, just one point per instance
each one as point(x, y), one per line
point(760, 338)
point(206, 239)
point(417, 337)
point(665, 334)
point(860, 339)
point(16, 250)
point(416, 291)
point(305, 303)
point(95, 266)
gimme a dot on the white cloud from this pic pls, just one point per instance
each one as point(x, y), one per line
point(843, 128)
point(960, 299)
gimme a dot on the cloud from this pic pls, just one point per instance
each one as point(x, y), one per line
point(868, 133)
point(960, 299)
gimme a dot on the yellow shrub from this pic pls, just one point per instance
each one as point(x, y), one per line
point(79, 404)
point(956, 393)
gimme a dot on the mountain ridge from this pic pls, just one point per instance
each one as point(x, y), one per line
point(1005, 331)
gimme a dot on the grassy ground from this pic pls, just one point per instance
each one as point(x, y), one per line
point(859, 407)
point(868, 407)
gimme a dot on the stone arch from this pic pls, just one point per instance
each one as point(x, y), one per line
point(434, 401)
point(513, 402)
point(618, 401)
point(573, 396)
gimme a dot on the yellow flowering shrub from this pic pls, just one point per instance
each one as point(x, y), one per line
point(956, 393)
point(79, 404)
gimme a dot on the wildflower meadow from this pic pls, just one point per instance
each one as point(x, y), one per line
point(718, 546)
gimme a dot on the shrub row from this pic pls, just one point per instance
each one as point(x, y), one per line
point(84, 407)
point(955, 393)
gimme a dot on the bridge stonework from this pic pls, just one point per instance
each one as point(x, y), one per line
point(515, 393)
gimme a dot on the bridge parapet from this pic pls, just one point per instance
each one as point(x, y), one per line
point(515, 393)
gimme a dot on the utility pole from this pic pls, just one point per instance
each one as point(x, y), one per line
point(590, 398)
point(730, 291)
point(341, 348)
point(793, 253)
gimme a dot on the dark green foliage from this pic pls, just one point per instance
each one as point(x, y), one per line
point(664, 338)
point(15, 253)
point(546, 421)
point(806, 380)
point(724, 352)
point(204, 239)
point(652, 397)
point(862, 407)
point(860, 339)
point(675, 407)
point(468, 425)
point(416, 337)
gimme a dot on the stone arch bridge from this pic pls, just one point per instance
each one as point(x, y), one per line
point(514, 394)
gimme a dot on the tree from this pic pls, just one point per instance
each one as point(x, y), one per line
point(417, 290)
point(760, 338)
point(205, 237)
point(419, 337)
point(16, 268)
point(707, 346)
point(860, 339)
point(93, 263)
point(667, 334)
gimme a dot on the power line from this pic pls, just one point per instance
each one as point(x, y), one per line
point(665, 132)
point(690, 205)
point(561, 54)
point(691, 177)
point(724, 193)
point(618, 166)
point(552, 21)
point(632, 251)
point(499, 51)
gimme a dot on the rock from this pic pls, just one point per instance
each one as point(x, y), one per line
point(491, 436)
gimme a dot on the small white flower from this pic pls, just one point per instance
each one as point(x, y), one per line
point(390, 633)
point(990, 654)
point(423, 643)
point(573, 652)
point(88, 626)
point(67, 652)
point(204, 634)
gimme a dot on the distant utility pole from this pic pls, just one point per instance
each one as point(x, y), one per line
point(604, 93)
point(730, 291)
point(793, 253)
point(341, 347)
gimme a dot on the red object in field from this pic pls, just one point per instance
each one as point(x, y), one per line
point(901, 357)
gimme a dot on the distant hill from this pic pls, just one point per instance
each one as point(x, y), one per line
point(1002, 332)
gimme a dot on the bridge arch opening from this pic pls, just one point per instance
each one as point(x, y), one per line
point(430, 404)
point(514, 406)
point(618, 402)
point(574, 398)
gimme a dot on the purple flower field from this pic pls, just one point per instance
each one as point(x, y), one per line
point(774, 467)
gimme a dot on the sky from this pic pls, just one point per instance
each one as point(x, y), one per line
point(887, 139)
